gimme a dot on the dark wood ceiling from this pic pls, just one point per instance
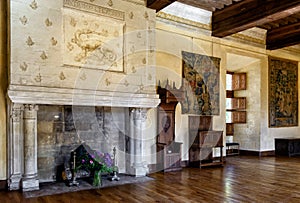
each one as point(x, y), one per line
point(281, 18)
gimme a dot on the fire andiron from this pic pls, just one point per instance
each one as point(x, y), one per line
point(115, 168)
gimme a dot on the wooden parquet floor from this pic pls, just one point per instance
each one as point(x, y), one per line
point(242, 179)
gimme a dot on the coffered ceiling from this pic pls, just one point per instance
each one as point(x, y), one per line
point(281, 18)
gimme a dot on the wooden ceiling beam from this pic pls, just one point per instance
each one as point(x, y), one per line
point(250, 13)
point(159, 4)
point(283, 36)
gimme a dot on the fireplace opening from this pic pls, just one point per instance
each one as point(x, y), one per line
point(61, 129)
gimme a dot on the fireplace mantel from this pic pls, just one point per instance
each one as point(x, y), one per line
point(64, 96)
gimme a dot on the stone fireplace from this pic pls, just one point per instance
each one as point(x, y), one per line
point(87, 75)
point(41, 137)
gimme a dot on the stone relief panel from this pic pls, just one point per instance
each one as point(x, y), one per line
point(93, 42)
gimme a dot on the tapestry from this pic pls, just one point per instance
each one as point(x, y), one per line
point(283, 93)
point(201, 83)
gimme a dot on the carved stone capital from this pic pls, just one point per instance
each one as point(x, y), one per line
point(16, 112)
point(139, 114)
point(30, 111)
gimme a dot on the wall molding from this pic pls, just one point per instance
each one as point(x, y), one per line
point(254, 35)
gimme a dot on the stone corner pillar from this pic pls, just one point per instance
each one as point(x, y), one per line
point(30, 177)
point(137, 117)
point(15, 146)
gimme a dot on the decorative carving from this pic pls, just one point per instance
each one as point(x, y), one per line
point(16, 112)
point(22, 81)
point(107, 82)
point(83, 76)
point(23, 66)
point(146, 16)
point(139, 35)
point(53, 41)
point(44, 55)
point(116, 34)
point(110, 3)
point(48, 23)
point(126, 83)
point(139, 114)
point(29, 41)
point(131, 15)
point(88, 47)
point(142, 87)
point(33, 5)
point(31, 107)
point(132, 49)
point(95, 9)
point(62, 76)
point(88, 41)
point(73, 22)
point(38, 78)
point(133, 70)
point(70, 47)
point(23, 20)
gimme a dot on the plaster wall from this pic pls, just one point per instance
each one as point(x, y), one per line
point(268, 134)
point(3, 88)
point(169, 44)
point(248, 134)
point(173, 37)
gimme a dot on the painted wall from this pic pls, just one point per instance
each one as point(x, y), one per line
point(93, 45)
point(3, 88)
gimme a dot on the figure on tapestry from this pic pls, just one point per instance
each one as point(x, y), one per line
point(201, 79)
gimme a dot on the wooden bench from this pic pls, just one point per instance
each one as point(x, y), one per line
point(232, 148)
point(289, 146)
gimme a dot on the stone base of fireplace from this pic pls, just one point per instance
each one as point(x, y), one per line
point(30, 184)
point(60, 187)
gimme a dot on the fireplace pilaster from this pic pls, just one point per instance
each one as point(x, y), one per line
point(30, 178)
point(15, 147)
point(138, 118)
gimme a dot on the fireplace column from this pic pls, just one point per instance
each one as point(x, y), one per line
point(138, 118)
point(30, 180)
point(15, 147)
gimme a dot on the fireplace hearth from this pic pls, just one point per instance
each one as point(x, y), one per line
point(59, 188)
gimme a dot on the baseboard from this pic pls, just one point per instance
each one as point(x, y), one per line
point(3, 184)
point(268, 153)
point(256, 153)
